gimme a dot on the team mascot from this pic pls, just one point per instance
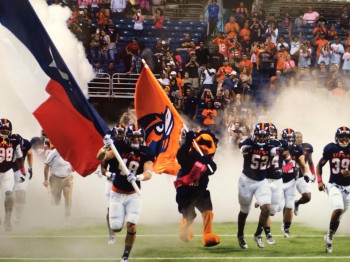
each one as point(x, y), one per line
point(191, 184)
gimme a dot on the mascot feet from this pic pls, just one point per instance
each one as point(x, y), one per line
point(186, 231)
point(210, 240)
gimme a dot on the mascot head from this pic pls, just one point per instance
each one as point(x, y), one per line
point(206, 141)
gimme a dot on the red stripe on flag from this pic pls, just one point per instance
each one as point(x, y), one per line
point(74, 136)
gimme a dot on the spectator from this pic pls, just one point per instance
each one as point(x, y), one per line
point(304, 56)
point(190, 104)
point(235, 51)
point(295, 44)
point(232, 28)
point(213, 17)
point(281, 56)
point(202, 54)
point(118, 8)
point(265, 63)
point(102, 17)
point(95, 45)
point(272, 31)
point(281, 41)
point(192, 67)
point(112, 31)
point(148, 55)
point(346, 62)
point(245, 35)
point(231, 82)
point(319, 29)
point(331, 33)
point(342, 33)
point(340, 90)
point(164, 80)
point(256, 30)
point(337, 51)
point(133, 46)
point(98, 69)
point(286, 21)
point(223, 71)
point(311, 16)
point(106, 46)
point(321, 76)
point(209, 114)
point(299, 23)
point(145, 6)
point(111, 69)
point(241, 14)
point(216, 59)
point(138, 21)
point(245, 83)
point(222, 43)
point(324, 55)
point(158, 21)
point(245, 63)
point(333, 78)
point(208, 76)
point(289, 68)
point(320, 42)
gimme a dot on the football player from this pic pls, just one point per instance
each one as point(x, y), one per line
point(10, 151)
point(108, 170)
point(124, 202)
point(302, 183)
point(338, 187)
point(20, 188)
point(257, 156)
point(289, 176)
point(274, 177)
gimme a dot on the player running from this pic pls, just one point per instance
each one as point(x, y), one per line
point(338, 187)
point(124, 202)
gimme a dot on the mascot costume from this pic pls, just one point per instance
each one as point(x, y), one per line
point(191, 184)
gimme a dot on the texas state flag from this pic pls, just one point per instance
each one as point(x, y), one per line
point(71, 123)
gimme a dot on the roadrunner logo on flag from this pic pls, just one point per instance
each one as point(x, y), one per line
point(162, 123)
point(158, 128)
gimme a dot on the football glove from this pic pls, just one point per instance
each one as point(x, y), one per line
point(22, 178)
point(190, 135)
point(306, 178)
point(313, 178)
point(107, 141)
point(131, 177)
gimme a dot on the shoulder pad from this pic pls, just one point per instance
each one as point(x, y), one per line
point(145, 150)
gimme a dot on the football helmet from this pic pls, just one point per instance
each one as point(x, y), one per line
point(273, 131)
point(5, 127)
point(119, 131)
point(342, 136)
point(261, 134)
point(288, 135)
point(134, 136)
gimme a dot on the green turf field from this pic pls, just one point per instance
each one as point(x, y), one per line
point(89, 243)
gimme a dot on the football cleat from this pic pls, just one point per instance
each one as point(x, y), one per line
point(111, 240)
point(329, 241)
point(270, 240)
point(296, 208)
point(258, 240)
point(124, 259)
point(256, 205)
point(286, 233)
point(282, 226)
point(242, 243)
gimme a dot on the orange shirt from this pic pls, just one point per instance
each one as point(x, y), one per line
point(281, 57)
point(320, 44)
point(208, 119)
point(245, 34)
point(222, 72)
point(233, 29)
point(223, 45)
point(247, 64)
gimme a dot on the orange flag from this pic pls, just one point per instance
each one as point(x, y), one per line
point(162, 123)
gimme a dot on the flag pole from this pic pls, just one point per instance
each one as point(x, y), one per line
point(195, 143)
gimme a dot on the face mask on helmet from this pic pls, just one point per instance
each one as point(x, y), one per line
point(261, 134)
point(342, 136)
point(135, 137)
point(119, 133)
point(5, 127)
point(289, 136)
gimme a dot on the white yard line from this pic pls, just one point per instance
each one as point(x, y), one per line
point(153, 235)
point(178, 258)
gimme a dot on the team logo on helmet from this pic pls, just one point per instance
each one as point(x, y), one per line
point(5, 127)
point(158, 129)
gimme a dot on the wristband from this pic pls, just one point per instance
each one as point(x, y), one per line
point(312, 170)
point(23, 171)
point(140, 177)
point(319, 178)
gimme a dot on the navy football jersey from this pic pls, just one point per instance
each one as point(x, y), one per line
point(10, 149)
point(134, 160)
point(339, 159)
point(25, 146)
point(295, 152)
point(276, 162)
point(256, 162)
